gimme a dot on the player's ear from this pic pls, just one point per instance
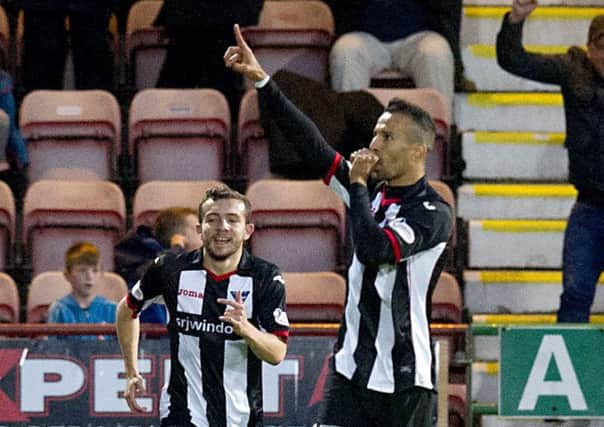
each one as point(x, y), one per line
point(249, 230)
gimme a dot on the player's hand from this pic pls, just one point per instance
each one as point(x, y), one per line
point(363, 161)
point(235, 315)
point(521, 9)
point(241, 59)
point(134, 386)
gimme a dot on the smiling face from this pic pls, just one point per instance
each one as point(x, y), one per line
point(224, 228)
point(83, 278)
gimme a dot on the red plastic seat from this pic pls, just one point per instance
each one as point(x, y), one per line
point(252, 143)
point(315, 297)
point(179, 134)
point(145, 44)
point(300, 225)
point(58, 213)
point(447, 303)
point(71, 129)
point(9, 300)
point(153, 196)
point(47, 287)
point(293, 35)
point(7, 225)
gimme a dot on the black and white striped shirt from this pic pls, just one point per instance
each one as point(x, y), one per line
point(215, 379)
point(399, 235)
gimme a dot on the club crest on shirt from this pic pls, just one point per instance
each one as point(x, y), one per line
point(244, 295)
point(403, 229)
point(281, 317)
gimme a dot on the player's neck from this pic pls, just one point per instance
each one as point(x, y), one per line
point(220, 267)
point(407, 179)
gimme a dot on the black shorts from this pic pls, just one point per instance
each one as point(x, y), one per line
point(348, 405)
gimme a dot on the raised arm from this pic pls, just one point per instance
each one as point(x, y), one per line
point(511, 55)
point(293, 123)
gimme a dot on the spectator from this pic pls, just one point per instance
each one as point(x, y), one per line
point(381, 34)
point(175, 231)
point(199, 32)
point(82, 305)
point(580, 74)
point(45, 43)
point(14, 158)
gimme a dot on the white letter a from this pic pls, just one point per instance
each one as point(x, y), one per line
point(552, 346)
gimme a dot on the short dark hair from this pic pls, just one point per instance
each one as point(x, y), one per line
point(223, 191)
point(169, 222)
point(81, 253)
point(419, 117)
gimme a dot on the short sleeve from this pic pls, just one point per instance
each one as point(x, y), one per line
point(147, 288)
point(273, 311)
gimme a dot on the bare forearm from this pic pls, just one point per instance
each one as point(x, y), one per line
point(128, 330)
point(267, 347)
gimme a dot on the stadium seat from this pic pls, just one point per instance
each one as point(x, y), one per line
point(315, 297)
point(9, 300)
point(47, 287)
point(145, 44)
point(446, 193)
point(71, 129)
point(252, 143)
point(154, 196)
point(458, 405)
point(447, 301)
point(58, 213)
point(435, 104)
point(293, 35)
point(300, 225)
point(179, 134)
point(7, 225)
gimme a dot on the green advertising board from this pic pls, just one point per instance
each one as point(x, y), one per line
point(551, 372)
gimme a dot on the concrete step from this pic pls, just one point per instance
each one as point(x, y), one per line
point(515, 201)
point(515, 156)
point(515, 243)
point(481, 66)
point(511, 112)
point(485, 378)
point(521, 292)
point(550, 25)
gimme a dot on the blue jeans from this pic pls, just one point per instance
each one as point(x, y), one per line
point(583, 262)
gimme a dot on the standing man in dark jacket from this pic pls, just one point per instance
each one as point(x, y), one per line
point(45, 43)
point(199, 33)
point(580, 75)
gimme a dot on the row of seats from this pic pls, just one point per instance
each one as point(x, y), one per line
point(311, 297)
point(300, 225)
point(173, 134)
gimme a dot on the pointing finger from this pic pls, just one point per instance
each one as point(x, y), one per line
point(239, 38)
